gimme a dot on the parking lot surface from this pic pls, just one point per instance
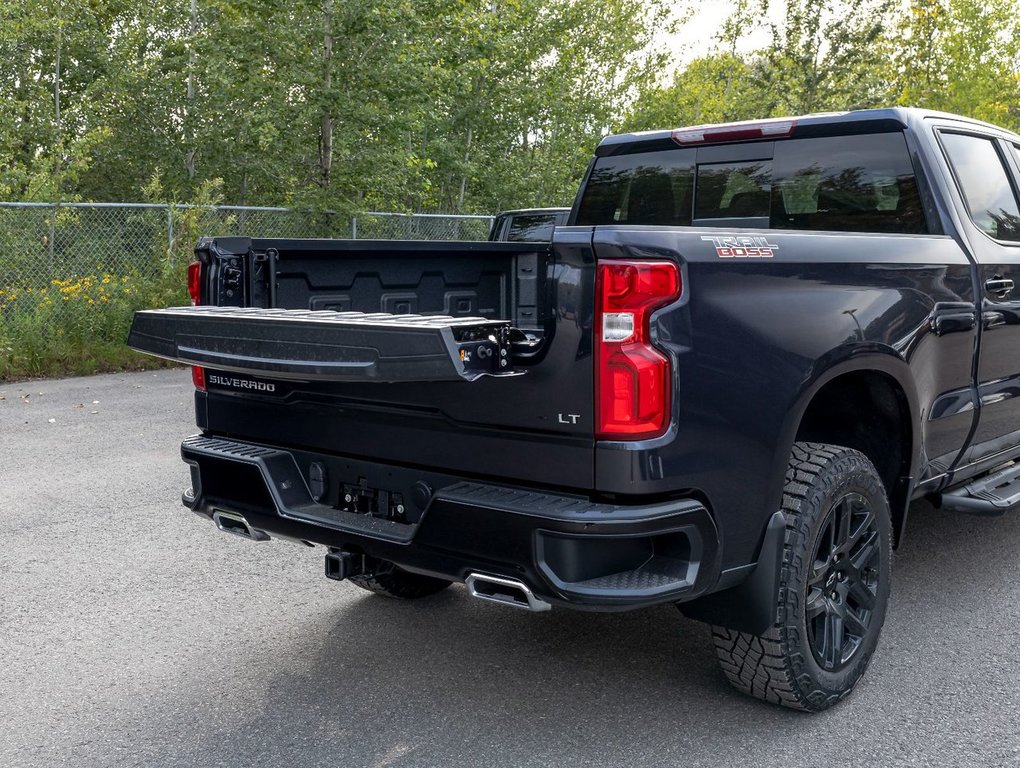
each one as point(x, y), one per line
point(133, 633)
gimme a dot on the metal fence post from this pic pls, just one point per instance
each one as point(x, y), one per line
point(52, 239)
point(354, 227)
point(171, 256)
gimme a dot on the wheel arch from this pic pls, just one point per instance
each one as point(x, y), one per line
point(865, 400)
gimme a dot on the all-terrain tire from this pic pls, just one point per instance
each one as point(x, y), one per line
point(393, 581)
point(830, 492)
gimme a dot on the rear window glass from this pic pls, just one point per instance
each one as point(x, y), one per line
point(645, 188)
point(733, 190)
point(984, 184)
point(841, 183)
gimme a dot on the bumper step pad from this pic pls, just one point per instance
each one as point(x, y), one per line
point(288, 490)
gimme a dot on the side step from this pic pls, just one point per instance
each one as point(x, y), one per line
point(991, 495)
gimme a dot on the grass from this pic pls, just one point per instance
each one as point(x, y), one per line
point(78, 326)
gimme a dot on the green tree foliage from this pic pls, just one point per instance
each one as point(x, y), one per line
point(459, 105)
point(453, 105)
point(960, 56)
point(827, 54)
point(712, 89)
point(823, 55)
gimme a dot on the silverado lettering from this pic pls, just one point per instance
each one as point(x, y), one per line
point(258, 386)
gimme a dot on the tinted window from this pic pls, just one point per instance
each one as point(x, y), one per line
point(532, 228)
point(733, 190)
point(645, 188)
point(843, 183)
point(984, 185)
point(846, 183)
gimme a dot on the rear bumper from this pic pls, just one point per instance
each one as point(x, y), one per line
point(567, 549)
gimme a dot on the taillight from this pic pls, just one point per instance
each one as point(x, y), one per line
point(633, 379)
point(195, 291)
point(195, 282)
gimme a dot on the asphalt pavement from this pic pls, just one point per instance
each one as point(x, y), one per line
point(133, 633)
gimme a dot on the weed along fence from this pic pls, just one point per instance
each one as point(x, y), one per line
point(72, 274)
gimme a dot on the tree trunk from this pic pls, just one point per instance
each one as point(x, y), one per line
point(56, 110)
point(189, 158)
point(326, 128)
point(56, 68)
point(463, 178)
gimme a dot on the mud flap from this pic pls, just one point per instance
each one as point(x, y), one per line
point(752, 605)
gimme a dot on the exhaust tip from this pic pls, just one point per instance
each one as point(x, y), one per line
point(510, 592)
point(231, 522)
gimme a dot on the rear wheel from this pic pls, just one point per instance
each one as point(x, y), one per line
point(834, 585)
point(393, 581)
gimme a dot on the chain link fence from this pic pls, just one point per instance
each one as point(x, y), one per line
point(41, 242)
point(72, 275)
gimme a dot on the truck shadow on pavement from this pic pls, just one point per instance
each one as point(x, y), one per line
point(452, 681)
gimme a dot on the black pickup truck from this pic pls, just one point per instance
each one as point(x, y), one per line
point(720, 386)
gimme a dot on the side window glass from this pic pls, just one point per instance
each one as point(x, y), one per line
point(984, 185)
point(531, 228)
point(860, 183)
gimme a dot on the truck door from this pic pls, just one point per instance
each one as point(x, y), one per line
point(984, 171)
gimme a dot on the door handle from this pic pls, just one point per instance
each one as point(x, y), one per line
point(952, 317)
point(992, 319)
point(954, 322)
point(999, 286)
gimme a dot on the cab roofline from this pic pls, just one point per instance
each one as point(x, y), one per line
point(805, 126)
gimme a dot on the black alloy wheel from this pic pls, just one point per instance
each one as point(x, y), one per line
point(843, 582)
point(833, 586)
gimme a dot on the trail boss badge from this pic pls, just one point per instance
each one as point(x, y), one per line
point(742, 247)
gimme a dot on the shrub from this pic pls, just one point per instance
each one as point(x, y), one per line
point(78, 325)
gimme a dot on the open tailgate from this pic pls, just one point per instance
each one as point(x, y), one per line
point(325, 345)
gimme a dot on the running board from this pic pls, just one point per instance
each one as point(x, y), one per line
point(991, 495)
point(323, 345)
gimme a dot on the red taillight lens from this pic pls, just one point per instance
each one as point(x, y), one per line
point(633, 380)
point(195, 282)
point(195, 291)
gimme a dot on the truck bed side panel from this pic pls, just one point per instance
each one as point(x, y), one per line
point(754, 337)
